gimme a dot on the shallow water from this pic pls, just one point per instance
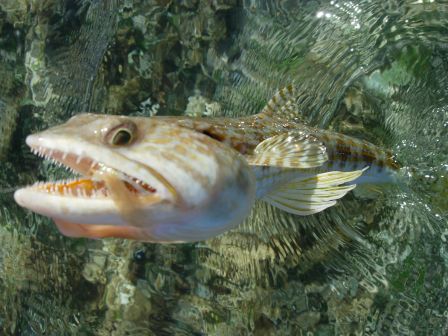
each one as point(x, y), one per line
point(376, 264)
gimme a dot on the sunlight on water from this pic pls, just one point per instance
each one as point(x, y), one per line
point(377, 70)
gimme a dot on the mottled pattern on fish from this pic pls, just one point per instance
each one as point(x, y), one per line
point(345, 153)
point(244, 134)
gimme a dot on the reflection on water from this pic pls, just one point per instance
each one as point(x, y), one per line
point(376, 70)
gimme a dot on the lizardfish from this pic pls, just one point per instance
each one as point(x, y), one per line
point(183, 179)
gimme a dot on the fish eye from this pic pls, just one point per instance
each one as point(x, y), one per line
point(121, 138)
point(121, 135)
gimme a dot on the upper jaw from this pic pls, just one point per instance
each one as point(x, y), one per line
point(55, 150)
point(76, 162)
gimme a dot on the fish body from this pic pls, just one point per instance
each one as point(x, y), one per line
point(344, 153)
point(181, 179)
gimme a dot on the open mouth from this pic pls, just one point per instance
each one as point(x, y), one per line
point(89, 185)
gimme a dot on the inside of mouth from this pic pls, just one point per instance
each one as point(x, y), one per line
point(85, 186)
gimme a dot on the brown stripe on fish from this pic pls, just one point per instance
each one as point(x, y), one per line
point(367, 155)
point(343, 148)
point(200, 148)
point(380, 164)
point(161, 141)
point(204, 150)
point(392, 163)
point(180, 149)
point(215, 134)
point(195, 174)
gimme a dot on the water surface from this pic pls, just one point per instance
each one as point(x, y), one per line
point(375, 265)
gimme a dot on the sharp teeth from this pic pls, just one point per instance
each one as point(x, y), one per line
point(64, 188)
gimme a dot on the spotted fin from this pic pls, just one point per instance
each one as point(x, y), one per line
point(289, 150)
point(313, 194)
point(284, 104)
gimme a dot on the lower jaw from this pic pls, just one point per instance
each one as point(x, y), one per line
point(96, 231)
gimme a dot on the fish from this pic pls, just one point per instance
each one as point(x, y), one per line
point(179, 179)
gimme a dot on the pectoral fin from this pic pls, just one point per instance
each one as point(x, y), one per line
point(289, 150)
point(313, 194)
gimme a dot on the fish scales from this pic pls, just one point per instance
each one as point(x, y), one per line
point(345, 153)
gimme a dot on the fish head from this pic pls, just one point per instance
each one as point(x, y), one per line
point(148, 179)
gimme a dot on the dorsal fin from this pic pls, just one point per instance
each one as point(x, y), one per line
point(283, 104)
